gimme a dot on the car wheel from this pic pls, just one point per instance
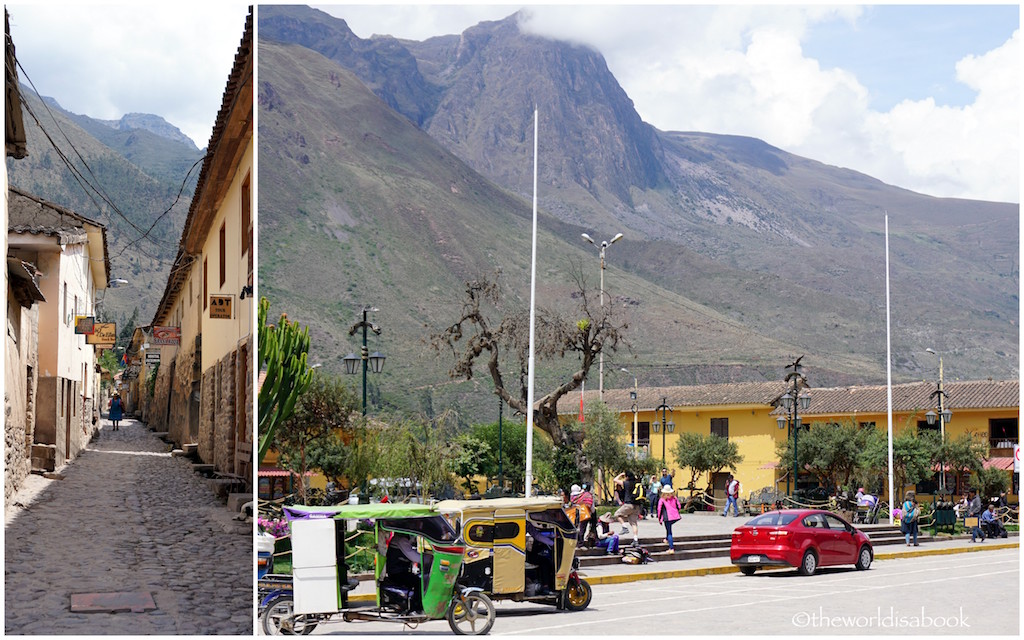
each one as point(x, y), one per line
point(864, 558)
point(748, 571)
point(809, 563)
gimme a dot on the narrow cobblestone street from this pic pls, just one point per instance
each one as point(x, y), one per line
point(127, 517)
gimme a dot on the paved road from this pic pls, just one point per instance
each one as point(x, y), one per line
point(959, 594)
point(127, 517)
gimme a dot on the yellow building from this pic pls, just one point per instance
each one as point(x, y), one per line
point(746, 413)
point(202, 328)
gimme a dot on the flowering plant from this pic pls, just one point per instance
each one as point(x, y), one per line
point(276, 528)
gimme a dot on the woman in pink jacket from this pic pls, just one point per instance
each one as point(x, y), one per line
point(668, 514)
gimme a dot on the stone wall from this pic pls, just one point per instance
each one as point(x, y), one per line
point(21, 381)
point(207, 415)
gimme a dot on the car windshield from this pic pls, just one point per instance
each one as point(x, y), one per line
point(772, 520)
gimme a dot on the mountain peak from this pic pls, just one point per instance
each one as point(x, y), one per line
point(152, 123)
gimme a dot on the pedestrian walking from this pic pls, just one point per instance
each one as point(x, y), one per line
point(630, 509)
point(732, 493)
point(653, 493)
point(974, 511)
point(606, 538)
point(115, 409)
point(909, 517)
point(668, 514)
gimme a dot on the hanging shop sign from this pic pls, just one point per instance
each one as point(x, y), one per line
point(220, 307)
point(165, 336)
point(103, 333)
point(84, 325)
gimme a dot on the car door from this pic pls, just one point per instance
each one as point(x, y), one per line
point(822, 538)
point(845, 541)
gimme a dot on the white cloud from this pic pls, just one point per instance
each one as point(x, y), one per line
point(105, 61)
point(741, 70)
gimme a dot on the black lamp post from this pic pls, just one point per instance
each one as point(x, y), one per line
point(664, 426)
point(373, 361)
point(944, 416)
point(793, 401)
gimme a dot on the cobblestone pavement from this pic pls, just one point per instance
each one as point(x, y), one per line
point(127, 517)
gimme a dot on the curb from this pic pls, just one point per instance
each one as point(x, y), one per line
point(709, 571)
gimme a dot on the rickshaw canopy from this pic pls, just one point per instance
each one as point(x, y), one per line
point(525, 504)
point(360, 511)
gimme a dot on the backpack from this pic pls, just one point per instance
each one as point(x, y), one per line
point(636, 555)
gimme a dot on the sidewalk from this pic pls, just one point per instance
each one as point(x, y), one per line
point(127, 517)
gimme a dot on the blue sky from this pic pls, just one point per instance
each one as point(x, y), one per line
point(107, 60)
point(909, 52)
point(926, 97)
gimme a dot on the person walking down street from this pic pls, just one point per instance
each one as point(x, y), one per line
point(909, 517)
point(116, 409)
point(732, 494)
point(974, 511)
point(653, 493)
point(630, 509)
point(606, 538)
point(668, 514)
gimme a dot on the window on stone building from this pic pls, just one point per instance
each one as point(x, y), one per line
point(206, 280)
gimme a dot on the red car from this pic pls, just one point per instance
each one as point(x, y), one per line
point(801, 538)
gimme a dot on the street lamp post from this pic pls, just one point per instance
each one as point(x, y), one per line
point(793, 401)
point(373, 361)
point(600, 362)
point(634, 395)
point(664, 426)
point(944, 416)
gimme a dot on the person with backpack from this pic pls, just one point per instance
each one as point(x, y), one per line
point(909, 517)
point(630, 509)
point(668, 514)
point(732, 494)
point(115, 408)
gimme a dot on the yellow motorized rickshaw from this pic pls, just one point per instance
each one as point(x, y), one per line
point(521, 549)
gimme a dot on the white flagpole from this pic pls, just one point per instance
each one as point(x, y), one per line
point(888, 368)
point(533, 293)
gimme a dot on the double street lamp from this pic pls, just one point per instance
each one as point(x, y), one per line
point(665, 426)
point(793, 401)
point(600, 363)
point(944, 416)
point(372, 361)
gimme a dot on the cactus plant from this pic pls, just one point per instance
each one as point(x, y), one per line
point(282, 351)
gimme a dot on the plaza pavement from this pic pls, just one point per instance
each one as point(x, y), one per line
point(127, 517)
point(713, 523)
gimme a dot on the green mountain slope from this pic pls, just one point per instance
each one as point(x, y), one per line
point(141, 174)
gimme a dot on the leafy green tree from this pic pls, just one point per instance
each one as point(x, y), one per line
point(705, 453)
point(282, 351)
point(962, 455)
point(912, 455)
point(604, 443)
point(409, 450)
point(991, 481)
point(831, 451)
point(325, 410)
point(468, 457)
point(513, 450)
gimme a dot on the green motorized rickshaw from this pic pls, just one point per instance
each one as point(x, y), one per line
point(521, 549)
point(417, 562)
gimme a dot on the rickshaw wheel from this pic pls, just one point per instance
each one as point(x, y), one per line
point(279, 619)
point(577, 595)
point(472, 614)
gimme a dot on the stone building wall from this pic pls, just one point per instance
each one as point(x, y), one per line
point(178, 426)
point(207, 415)
point(224, 429)
point(22, 378)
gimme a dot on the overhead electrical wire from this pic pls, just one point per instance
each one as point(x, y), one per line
point(88, 187)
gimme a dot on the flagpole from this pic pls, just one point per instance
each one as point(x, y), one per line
point(888, 369)
point(533, 294)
